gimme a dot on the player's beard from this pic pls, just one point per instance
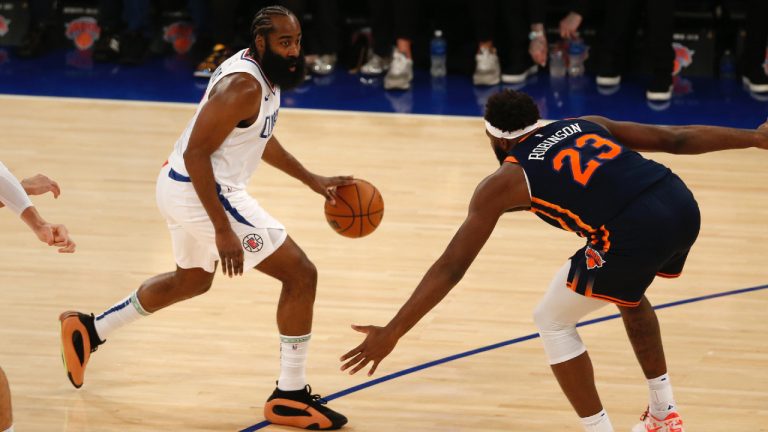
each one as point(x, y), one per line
point(277, 69)
point(500, 154)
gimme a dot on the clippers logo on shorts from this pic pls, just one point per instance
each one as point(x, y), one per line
point(181, 35)
point(253, 243)
point(594, 258)
point(5, 25)
point(84, 31)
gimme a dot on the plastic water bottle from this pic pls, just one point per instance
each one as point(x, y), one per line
point(727, 65)
point(437, 49)
point(576, 53)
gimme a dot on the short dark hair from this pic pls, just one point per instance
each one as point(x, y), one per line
point(262, 24)
point(511, 110)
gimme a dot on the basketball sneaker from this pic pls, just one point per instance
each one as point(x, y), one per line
point(78, 340)
point(302, 409)
point(648, 423)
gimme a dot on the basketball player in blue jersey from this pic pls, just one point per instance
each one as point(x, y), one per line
point(638, 218)
point(15, 196)
point(201, 191)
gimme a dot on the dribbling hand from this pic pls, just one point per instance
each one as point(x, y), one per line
point(326, 186)
point(230, 252)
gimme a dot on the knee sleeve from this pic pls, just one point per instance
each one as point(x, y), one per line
point(556, 317)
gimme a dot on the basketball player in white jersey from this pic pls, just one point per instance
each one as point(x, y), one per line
point(201, 191)
point(15, 196)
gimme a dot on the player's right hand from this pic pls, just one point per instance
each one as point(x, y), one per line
point(378, 343)
point(230, 252)
point(39, 185)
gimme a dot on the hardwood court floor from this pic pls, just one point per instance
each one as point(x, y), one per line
point(208, 364)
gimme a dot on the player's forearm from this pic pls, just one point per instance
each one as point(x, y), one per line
point(436, 284)
point(705, 139)
point(278, 157)
point(32, 218)
point(11, 192)
point(201, 173)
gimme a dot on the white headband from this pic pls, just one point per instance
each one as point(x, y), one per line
point(498, 133)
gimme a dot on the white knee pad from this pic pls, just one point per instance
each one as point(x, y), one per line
point(556, 317)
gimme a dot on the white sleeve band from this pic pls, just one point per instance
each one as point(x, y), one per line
point(12, 193)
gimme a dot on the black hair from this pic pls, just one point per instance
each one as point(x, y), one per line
point(511, 110)
point(262, 24)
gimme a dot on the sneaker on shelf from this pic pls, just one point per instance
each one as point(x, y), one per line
point(301, 409)
point(400, 72)
point(376, 65)
point(756, 81)
point(107, 48)
point(78, 340)
point(517, 76)
point(323, 64)
point(487, 69)
point(648, 423)
point(205, 69)
point(660, 88)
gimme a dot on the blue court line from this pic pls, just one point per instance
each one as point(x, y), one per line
point(437, 362)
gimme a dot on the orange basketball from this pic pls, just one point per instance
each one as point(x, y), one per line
point(358, 210)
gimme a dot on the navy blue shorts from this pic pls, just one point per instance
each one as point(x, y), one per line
point(650, 237)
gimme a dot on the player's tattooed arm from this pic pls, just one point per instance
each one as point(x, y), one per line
point(693, 139)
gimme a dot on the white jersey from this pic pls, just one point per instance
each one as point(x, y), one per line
point(240, 153)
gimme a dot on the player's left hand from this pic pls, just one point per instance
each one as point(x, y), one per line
point(39, 185)
point(326, 186)
point(377, 345)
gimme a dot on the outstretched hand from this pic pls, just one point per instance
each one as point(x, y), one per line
point(39, 185)
point(326, 186)
point(377, 345)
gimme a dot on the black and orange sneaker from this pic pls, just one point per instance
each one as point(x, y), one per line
point(220, 53)
point(302, 409)
point(78, 340)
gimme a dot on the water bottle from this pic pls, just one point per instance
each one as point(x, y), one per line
point(437, 49)
point(727, 65)
point(576, 53)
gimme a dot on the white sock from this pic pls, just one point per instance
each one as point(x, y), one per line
point(661, 400)
point(293, 360)
point(597, 423)
point(10, 429)
point(122, 313)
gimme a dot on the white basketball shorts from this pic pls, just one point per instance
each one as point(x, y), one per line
point(192, 233)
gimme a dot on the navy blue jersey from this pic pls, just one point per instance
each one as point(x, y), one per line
point(581, 177)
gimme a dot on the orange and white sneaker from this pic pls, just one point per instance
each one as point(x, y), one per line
point(648, 423)
point(302, 409)
point(78, 340)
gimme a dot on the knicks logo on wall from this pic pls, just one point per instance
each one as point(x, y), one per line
point(5, 25)
point(253, 243)
point(594, 258)
point(181, 35)
point(84, 31)
point(683, 57)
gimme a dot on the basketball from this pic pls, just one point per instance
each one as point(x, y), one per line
point(358, 210)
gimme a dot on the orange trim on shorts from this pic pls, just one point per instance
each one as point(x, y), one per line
point(588, 291)
point(573, 215)
point(606, 242)
point(614, 300)
point(667, 275)
point(511, 159)
point(555, 218)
